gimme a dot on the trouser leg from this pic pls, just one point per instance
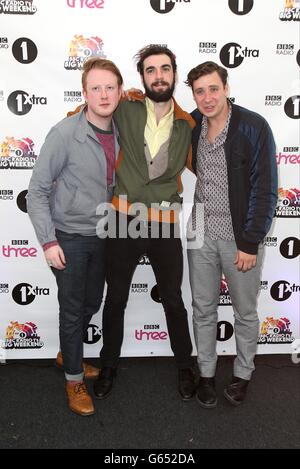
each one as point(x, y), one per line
point(205, 277)
point(243, 289)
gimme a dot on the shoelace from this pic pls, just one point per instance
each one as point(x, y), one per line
point(80, 388)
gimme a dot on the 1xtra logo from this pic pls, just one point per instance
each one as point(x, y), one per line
point(82, 48)
point(17, 153)
point(17, 7)
point(240, 7)
point(282, 290)
point(165, 6)
point(24, 293)
point(93, 334)
point(22, 336)
point(20, 102)
point(232, 54)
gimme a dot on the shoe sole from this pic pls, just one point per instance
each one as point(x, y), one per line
point(207, 406)
point(186, 399)
point(229, 399)
point(100, 398)
point(87, 414)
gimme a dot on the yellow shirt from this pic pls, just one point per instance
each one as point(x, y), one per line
point(156, 135)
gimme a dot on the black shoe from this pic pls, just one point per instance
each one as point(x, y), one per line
point(236, 391)
point(104, 383)
point(186, 383)
point(206, 393)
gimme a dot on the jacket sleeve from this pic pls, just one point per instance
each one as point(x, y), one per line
point(263, 191)
point(52, 158)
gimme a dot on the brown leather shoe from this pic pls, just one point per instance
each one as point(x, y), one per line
point(90, 371)
point(79, 399)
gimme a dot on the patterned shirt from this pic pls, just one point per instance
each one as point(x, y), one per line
point(212, 184)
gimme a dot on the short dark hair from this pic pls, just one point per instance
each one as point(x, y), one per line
point(100, 64)
point(205, 69)
point(153, 49)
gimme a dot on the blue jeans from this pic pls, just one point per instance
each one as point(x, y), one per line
point(80, 290)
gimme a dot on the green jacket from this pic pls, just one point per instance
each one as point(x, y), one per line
point(133, 180)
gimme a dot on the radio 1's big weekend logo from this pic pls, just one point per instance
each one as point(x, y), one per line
point(275, 331)
point(81, 48)
point(288, 205)
point(22, 336)
point(17, 153)
point(291, 11)
point(17, 7)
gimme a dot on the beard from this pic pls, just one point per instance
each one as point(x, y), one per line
point(160, 96)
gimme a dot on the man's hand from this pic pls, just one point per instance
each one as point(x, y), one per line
point(55, 257)
point(245, 262)
point(132, 94)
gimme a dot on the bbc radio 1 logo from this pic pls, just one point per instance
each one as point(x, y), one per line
point(291, 11)
point(19, 102)
point(225, 331)
point(17, 153)
point(165, 6)
point(150, 332)
point(275, 331)
point(4, 288)
point(22, 336)
point(24, 50)
point(288, 155)
point(139, 288)
point(292, 107)
point(240, 7)
point(6, 194)
point(17, 7)
point(273, 100)
point(18, 248)
point(3, 43)
point(282, 290)
point(24, 293)
point(270, 241)
point(207, 47)
point(93, 334)
point(72, 96)
point(290, 247)
point(285, 49)
point(233, 54)
point(288, 205)
point(81, 48)
point(21, 201)
point(85, 3)
point(155, 294)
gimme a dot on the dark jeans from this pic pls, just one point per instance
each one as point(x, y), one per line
point(166, 259)
point(80, 290)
